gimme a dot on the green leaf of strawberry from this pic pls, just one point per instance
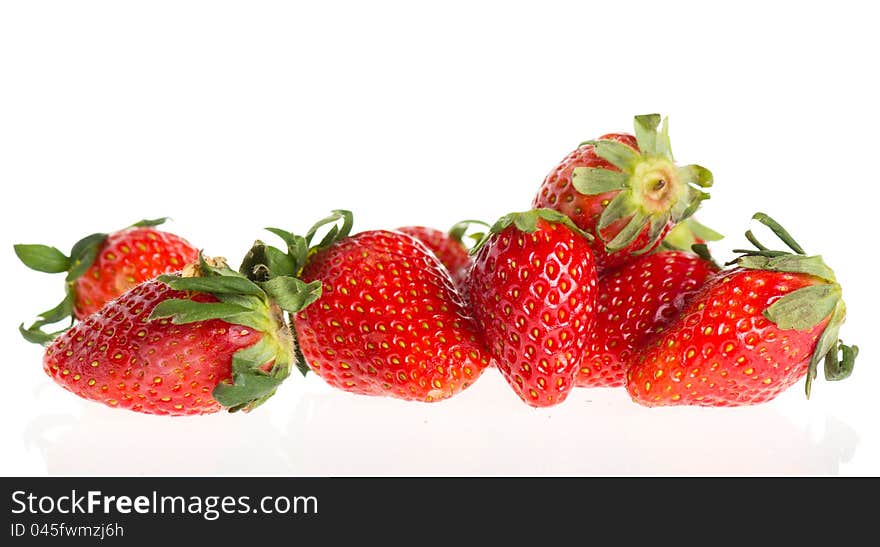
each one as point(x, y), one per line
point(687, 233)
point(617, 154)
point(805, 307)
point(217, 284)
point(100, 267)
point(248, 388)
point(839, 362)
point(42, 258)
point(83, 254)
point(812, 265)
point(336, 232)
point(460, 228)
point(183, 311)
point(595, 180)
point(148, 223)
point(249, 383)
point(292, 294)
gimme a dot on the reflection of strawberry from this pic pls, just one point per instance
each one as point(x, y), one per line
point(182, 345)
point(101, 267)
point(626, 190)
point(636, 302)
point(748, 334)
point(532, 289)
point(389, 322)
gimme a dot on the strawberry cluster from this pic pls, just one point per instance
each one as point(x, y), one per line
point(607, 281)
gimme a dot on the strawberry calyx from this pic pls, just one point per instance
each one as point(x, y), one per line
point(240, 301)
point(652, 191)
point(44, 258)
point(691, 236)
point(807, 306)
point(264, 261)
point(278, 272)
point(527, 221)
point(459, 231)
point(687, 233)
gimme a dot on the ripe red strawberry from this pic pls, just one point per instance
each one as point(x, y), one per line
point(389, 321)
point(103, 266)
point(625, 190)
point(636, 302)
point(532, 289)
point(450, 251)
point(181, 344)
point(748, 334)
point(447, 246)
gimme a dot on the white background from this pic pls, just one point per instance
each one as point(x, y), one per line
point(230, 117)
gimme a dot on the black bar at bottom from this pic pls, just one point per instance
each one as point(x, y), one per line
point(244, 511)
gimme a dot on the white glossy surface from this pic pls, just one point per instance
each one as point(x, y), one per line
point(485, 431)
point(113, 112)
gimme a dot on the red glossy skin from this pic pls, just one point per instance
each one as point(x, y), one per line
point(452, 253)
point(722, 351)
point(635, 303)
point(557, 192)
point(389, 321)
point(118, 358)
point(126, 259)
point(534, 299)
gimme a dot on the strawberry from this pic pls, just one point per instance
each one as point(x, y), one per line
point(749, 333)
point(182, 344)
point(101, 267)
point(532, 289)
point(447, 246)
point(625, 190)
point(634, 303)
point(389, 321)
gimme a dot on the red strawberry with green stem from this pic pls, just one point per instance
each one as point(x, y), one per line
point(389, 321)
point(447, 246)
point(183, 344)
point(101, 267)
point(532, 289)
point(635, 303)
point(625, 190)
point(749, 333)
